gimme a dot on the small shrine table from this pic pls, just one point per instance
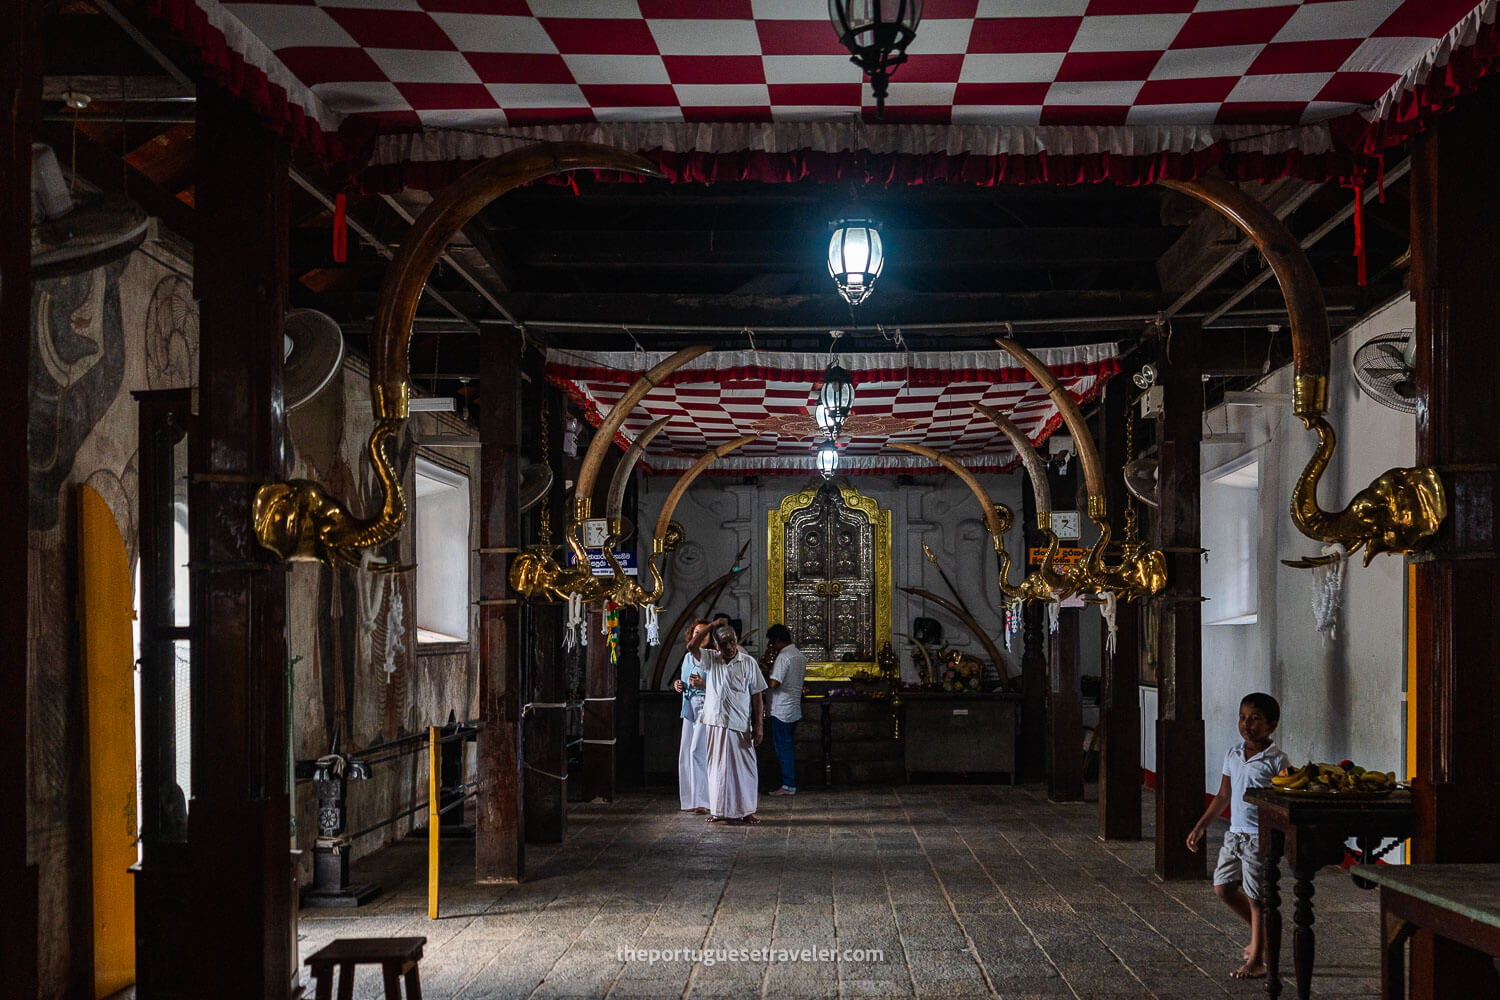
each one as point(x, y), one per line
point(1460, 902)
point(1309, 830)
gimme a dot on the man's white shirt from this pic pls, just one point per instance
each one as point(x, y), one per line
point(788, 672)
point(728, 685)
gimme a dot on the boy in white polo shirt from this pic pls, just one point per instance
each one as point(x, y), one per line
point(1250, 764)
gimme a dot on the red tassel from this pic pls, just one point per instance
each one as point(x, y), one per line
point(340, 229)
point(1359, 228)
point(573, 184)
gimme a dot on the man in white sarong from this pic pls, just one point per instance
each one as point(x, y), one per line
point(692, 752)
point(734, 715)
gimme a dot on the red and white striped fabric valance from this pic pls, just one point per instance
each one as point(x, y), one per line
point(917, 397)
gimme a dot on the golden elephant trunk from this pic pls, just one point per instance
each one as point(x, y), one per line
point(1403, 506)
point(300, 520)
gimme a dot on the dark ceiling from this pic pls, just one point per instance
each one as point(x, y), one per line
point(605, 265)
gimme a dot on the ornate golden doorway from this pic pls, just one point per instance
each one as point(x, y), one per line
point(829, 578)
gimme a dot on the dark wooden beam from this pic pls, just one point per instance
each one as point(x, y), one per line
point(1179, 726)
point(759, 250)
point(20, 79)
point(499, 834)
point(1119, 730)
point(1210, 237)
point(1456, 698)
point(891, 307)
point(240, 814)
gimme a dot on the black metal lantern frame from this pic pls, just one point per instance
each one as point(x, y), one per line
point(876, 33)
point(836, 397)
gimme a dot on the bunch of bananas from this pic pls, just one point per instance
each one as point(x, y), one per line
point(1345, 776)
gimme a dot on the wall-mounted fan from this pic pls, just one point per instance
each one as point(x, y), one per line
point(74, 230)
point(1385, 367)
point(314, 350)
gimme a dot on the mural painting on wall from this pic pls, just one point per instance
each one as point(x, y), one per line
point(77, 366)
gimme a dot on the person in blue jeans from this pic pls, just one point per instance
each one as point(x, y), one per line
point(786, 702)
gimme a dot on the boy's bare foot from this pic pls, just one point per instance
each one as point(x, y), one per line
point(704, 812)
point(1252, 969)
point(751, 820)
point(1248, 954)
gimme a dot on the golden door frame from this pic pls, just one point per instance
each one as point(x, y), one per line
point(880, 522)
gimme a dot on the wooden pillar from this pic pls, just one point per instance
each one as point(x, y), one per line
point(499, 830)
point(1031, 741)
point(1119, 730)
point(1179, 727)
point(1064, 698)
point(598, 716)
point(600, 676)
point(1456, 791)
point(545, 731)
point(1065, 712)
point(239, 821)
point(21, 79)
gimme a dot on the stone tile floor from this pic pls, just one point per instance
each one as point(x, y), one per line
point(959, 891)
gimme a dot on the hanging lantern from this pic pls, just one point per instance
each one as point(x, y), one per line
point(828, 458)
point(856, 257)
point(836, 398)
point(824, 421)
point(876, 33)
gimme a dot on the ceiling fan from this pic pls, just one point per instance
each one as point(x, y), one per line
point(1385, 367)
point(73, 229)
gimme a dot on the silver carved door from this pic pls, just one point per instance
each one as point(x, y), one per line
point(830, 581)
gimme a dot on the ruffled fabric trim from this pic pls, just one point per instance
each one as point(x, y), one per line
point(829, 152)
point(1447, 71)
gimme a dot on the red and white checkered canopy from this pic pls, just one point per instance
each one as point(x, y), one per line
point(1122, 78)
point(921, 398)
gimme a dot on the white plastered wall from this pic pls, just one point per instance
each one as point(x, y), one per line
point(1340, 697)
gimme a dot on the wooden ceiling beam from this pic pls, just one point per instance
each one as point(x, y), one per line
point(769, 250)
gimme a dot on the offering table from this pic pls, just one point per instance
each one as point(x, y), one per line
point(1309, 830)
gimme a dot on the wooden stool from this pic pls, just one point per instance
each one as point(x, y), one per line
point(395, 956)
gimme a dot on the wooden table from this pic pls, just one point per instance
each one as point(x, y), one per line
point(1457, 902)
point(1309, 830)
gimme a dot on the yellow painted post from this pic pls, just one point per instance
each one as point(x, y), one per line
point(433, 820)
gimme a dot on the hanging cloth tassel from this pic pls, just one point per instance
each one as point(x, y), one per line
point(1359, 229)
point(653, 632)
point(574, 634)
point(1054, 614)
point(1328, 591)
point(1107, 609)
point(340, 228)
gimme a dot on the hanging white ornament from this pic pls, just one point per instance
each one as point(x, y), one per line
point(395, 625)
point(574, 634)
point(1107, 610)
point(1328, 591)
point(1054, 615)
point(369, 588)
point(653, 633)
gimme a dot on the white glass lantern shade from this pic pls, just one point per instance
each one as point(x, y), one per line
point(836, 397)
point(828, 458)
point(825, 421)
point(856, 256)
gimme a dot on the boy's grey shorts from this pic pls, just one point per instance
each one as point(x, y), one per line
point(1240, 861)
